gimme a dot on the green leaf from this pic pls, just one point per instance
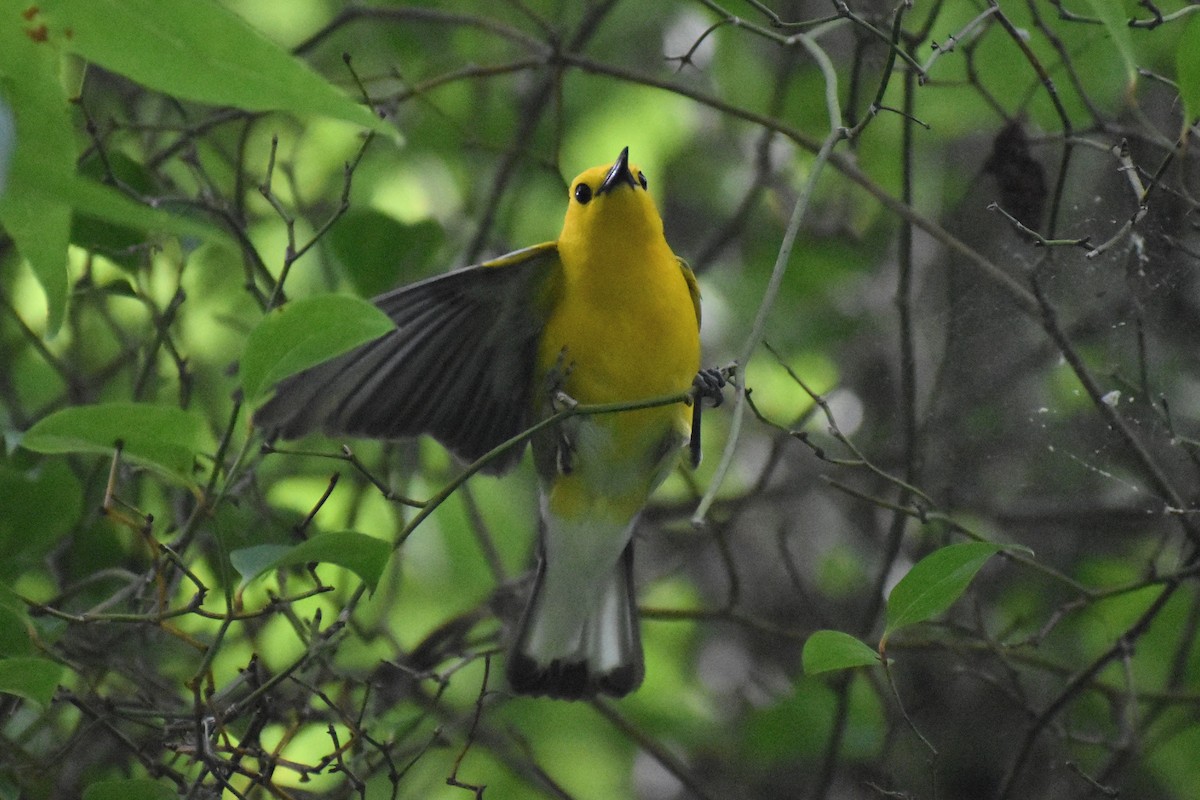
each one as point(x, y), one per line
point(1116, 22)
point(35, 679)
point(162, 438)
point(306, 332)
point(1187, 70)
point(199, 50)
point(363, 555)
point(826, 651)
point(129, 789)
point(935, 582)
point(44, 151)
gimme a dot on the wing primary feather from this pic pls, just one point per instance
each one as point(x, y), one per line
point(459, 365)
point(387, 399)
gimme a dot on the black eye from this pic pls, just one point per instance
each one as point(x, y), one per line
point(642, 179)
point(583, 193)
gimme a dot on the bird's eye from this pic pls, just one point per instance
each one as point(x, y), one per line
point(642, 179)
point(583, 193)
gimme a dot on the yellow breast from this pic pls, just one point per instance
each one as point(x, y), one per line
point(624, 327)
point(625, 324)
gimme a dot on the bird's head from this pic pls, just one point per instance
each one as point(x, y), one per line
point(609, 205)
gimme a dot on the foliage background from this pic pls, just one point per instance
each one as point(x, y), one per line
point(935, 373)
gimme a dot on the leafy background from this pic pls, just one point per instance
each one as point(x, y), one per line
point(944, 543)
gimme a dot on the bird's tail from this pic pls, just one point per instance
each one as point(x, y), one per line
point(578, 640)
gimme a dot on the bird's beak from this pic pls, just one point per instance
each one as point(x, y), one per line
point(618, 174)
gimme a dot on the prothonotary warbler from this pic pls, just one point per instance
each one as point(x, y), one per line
point(604, 314)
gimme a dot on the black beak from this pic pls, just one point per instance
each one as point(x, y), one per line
point(618, 174)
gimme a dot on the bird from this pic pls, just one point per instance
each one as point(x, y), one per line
point(604, 314)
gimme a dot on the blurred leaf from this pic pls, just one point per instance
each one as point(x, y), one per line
point(826, 651)
point(35, 679)
point(14, 633)
point(1174, 759)
point(306, 332)
point(199, 50)
point(8, 141)
point(1116, 22)
point(44, 150)
point(115, 207)
point(1187, 70)
point(377, 251)
point(116, 165)
point(41, 504)
point(114, 240)
point(842, 573)
point(1115, 614)
point(796, 725)
point(797, 728)
point(935, 582)
point(162, 438)
point(363, 555)
point(129, 789)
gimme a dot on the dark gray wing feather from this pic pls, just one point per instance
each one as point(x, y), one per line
point(459, 366)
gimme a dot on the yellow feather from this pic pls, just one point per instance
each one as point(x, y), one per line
point(625, 327)
point(626, 322)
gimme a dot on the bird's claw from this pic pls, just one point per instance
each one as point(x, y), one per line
point(708, 384)
point(561, 401)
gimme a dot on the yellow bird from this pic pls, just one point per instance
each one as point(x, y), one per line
point(605, 314)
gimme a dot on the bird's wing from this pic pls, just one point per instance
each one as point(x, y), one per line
point(459, 366)
point(693, 287)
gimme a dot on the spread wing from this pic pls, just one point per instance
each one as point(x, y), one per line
point(459, 366)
